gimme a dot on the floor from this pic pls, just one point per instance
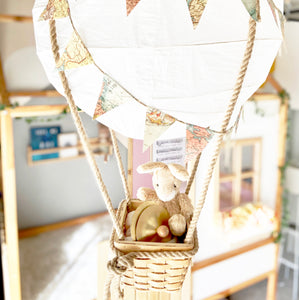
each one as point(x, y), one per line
point(66, 259)
point(258, 291)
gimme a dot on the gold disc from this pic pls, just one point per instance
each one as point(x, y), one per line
point(149, 221)
point(136, 215)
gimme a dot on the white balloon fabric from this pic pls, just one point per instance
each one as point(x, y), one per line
point(156, 54)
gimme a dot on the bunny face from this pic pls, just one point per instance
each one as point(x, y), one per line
point(165, 184)
point(167, 179)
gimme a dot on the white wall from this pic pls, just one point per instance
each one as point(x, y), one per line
point(287, 73)
point(251, 126)
point(212, 239)
point(287, 63)
point(15, 36)
point(56, 191)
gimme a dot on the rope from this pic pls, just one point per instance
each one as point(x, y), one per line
point(120, 165)
point(194, 169)
point(124, 261)
point(82, 132)
point(228, 114)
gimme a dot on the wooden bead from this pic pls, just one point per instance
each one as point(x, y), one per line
point(163, 231)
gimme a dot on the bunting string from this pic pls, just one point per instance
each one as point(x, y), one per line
point(113, 94)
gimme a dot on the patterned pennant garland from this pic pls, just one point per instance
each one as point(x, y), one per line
point(131, 5)
point(112, 95)
point(75, 55)
point(196, 140)
point(196, 9)
point(251, 6)
point(275, 9)
point(156, 123)
point(55, 9)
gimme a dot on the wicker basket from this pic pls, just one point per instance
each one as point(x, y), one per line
point(152, 274)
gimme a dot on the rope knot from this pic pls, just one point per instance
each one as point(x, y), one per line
point(115, 267)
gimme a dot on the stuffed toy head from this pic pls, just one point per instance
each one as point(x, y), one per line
point(167, 179)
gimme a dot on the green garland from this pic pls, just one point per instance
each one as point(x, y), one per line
point(285, 215)
point(48, 119)
point(30, 120)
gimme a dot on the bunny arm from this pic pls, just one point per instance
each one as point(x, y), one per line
point(147, 194)
point(186, 206)
point(172, 206)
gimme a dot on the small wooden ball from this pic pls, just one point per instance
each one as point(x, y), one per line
point(163, 231)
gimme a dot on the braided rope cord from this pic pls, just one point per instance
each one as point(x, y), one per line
point(120, 165)
point(82, 133)
point(123, 261)
point(227, 117)
point(193, 173)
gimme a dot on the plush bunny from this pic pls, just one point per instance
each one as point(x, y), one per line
point(167, 180)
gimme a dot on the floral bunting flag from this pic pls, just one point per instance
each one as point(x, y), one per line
point(75, 54)
point(275, 9)
point(112, 95)
point(156, 123)
point(251, 6)
point(196, 9)
point(55, 9)
point(131, 5)
point(196, 140)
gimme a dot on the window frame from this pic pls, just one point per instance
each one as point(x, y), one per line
point(237, 174)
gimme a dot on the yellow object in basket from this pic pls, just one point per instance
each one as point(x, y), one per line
point(136, 216)
point(152, 220)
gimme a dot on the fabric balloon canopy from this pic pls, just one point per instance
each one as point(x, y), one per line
point(142, 67)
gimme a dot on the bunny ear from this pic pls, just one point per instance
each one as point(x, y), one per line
point(150, 167)
point(179, 172)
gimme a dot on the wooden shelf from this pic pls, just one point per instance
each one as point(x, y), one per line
point(15, 18)
point(96, 145)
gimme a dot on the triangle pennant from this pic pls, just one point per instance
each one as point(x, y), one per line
point(251, 6)
point(156, 123)
point(131, 5)
point(55, 9)
point(196, 9)
point(197, 139)
point(112, 95)
point(75, 54)
point(275, 9)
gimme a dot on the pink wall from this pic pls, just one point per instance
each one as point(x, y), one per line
point(139, 158)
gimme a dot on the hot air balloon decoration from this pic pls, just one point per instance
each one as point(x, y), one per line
point(147, 67)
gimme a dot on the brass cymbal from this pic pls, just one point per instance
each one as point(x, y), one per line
point(149, 221)
point(136, 215)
